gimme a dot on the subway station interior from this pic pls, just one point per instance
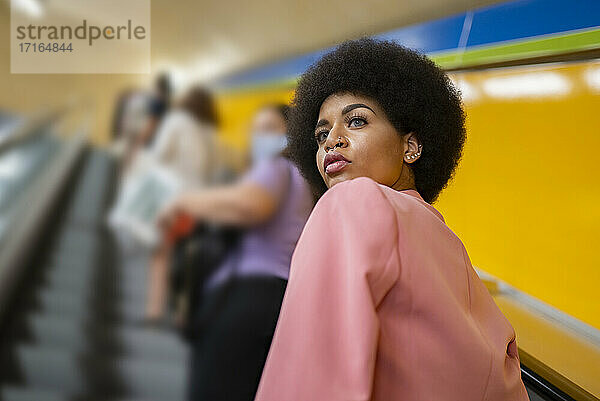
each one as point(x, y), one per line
point(79, 208)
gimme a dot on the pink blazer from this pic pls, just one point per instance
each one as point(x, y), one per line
point(383, 304)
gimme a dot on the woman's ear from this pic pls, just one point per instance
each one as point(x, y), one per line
point(412, 147)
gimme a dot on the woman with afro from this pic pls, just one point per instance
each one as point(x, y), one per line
point(382, 301)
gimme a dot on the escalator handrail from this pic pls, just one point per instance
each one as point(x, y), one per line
point(548, 381)
point(570, 332)
point(30, 127)
point(32, 214)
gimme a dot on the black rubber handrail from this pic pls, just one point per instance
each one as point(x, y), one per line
point(548, 382)
point(32, 213)
point(29, 128)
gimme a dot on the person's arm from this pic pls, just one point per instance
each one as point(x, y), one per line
point(346, 260)
point(253, 200)
point(239, 204)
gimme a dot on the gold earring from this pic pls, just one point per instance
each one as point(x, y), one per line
point(415, 155)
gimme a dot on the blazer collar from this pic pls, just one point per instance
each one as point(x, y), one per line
point(415, 194)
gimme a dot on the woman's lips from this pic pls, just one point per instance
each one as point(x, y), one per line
point(334, 162)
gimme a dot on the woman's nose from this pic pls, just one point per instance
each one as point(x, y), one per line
point(334, 139)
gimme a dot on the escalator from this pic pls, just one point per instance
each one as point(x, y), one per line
point(71, 328)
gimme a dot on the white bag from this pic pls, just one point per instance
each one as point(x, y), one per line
point(146, 189)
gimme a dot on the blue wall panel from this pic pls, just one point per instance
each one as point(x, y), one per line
point(513, 20)
point(429, 37)
point(527, 18)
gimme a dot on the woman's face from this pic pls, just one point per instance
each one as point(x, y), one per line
point(356, 139)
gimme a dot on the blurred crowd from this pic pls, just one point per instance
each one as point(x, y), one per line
point(217, 242)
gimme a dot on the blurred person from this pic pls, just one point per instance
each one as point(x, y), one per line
point(186, 138)
point(117, 125)
point(146, 114)
point(242, 298)
point(186, 144)
point(130, 117)
point(383, 302)
point(162, 95)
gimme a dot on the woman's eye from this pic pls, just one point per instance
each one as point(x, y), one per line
point(321, 136)
point(357, 122)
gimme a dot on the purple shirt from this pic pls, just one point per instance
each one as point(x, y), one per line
point(267, 249)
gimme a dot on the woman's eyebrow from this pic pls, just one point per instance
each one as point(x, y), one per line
point(345, 110)
point(353, 106)
point(321, 123)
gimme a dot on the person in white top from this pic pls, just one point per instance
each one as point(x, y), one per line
point(185, 139)
point(185, 142)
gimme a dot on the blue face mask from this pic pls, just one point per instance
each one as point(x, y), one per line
point(266, 145)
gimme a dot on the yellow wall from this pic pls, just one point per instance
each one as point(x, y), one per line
point(526, 197)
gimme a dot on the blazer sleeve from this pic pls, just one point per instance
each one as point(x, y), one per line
point(346, 260)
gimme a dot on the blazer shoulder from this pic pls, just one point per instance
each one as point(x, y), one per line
point(361, 189)
point(359, 205)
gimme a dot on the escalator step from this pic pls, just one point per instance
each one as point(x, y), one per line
point(77, 305)
point(10, 393)
point(49, 368)
point(56, 370)
point(66, 333)
point(160, 382)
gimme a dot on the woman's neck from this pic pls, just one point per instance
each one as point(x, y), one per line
point(406, 179)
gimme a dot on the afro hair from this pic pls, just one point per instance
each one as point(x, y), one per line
point(416, 95)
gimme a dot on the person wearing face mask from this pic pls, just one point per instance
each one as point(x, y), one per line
point(271, 202)
point(270, 140)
